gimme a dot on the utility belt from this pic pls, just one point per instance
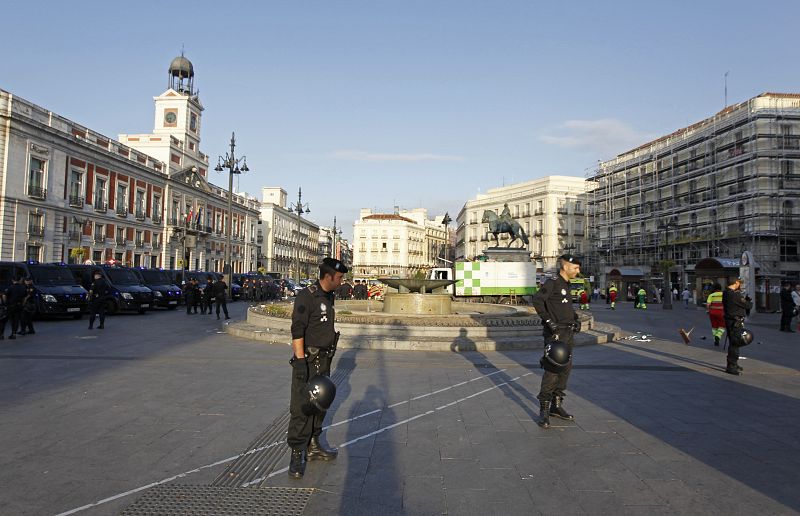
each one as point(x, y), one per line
point(314, 353)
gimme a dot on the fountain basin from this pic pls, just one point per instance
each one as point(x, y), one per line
point(417, 304)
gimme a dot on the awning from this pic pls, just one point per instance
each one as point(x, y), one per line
point(717, 263)
point(626, 271)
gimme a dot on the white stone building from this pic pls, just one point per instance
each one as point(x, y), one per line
point(287, 237)
point(551, 210)
point(68, 193)
point(396, 244)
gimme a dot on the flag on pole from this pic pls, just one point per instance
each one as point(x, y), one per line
point(199, 215)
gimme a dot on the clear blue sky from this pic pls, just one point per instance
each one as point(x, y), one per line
point(410, 103)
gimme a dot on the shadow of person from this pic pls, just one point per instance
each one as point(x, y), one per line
point(468, 347)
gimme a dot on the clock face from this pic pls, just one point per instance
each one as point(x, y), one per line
point(170, 117)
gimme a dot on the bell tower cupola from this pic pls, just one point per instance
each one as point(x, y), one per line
point(180, 76)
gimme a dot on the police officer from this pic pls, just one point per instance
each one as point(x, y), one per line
point(559, 322)
point(313, 343)
point(15, 296)
point(28, 308)
point(191, 296)
point(219, 287)
point(735, 306)
point(208, 295)
point(98, 294)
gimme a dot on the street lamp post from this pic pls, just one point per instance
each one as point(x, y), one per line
point(667, 296)
point(446, 220)
point(299, 208)
point(232, 164)
point(336, 232)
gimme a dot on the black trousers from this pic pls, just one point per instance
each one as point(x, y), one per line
point(302, 427)
point(786, 320)
point(97, 309)
point(27, 321)
point(555, 384)
point(224, 304)
point(732, 325)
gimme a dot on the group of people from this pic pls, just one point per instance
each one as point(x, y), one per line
point(18, 306)
point(261, 289)
point(727, 309)
point(213, 292)
point(358, 290)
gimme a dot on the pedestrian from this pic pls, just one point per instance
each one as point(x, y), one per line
point(219, 289)
point(675, 293)
point(787, 307)
point(313, 344)
point(595, 294)
point(584, 299)
point(716, 314)
point(190, 294)
point(796, 299)
point(208, 295)
point(3, 315)
point(612, 296)
point(98, 296)
point(28, 308)
point(686, 295)
point(734, 307)
point(608, 294)
point(560, 323)
point(641, 299)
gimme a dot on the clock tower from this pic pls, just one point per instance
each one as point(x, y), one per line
point(175, 140)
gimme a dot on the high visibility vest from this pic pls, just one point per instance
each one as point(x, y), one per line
point(714, 302)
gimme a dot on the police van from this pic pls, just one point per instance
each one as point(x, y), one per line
point(126, 291)
point(165, 293)
point(56, 290)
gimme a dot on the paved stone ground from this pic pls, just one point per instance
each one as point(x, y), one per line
point(660, 427)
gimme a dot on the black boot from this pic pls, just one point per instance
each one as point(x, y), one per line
point(733, 369)
point(317, 452)
point(296, 464)
point(716, 341)
point(544, 414)
point(558, 411)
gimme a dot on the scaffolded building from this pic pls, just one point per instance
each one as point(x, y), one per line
point(715, 189)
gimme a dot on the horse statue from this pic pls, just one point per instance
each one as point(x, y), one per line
point(499, 225)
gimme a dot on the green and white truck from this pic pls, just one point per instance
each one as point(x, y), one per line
point(490, 281)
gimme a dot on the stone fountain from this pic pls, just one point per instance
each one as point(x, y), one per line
point(414, 296)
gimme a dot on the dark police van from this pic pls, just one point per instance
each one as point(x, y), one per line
point(127, 293)
point(165, 293)
point(57, 292)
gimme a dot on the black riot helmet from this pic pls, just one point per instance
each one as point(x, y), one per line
point(320, 392)
point(556, 355)
point(744, 336)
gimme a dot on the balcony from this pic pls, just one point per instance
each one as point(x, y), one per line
point(539, 211)
point(139, 214)
point(120, 240)
point(122, 211)
point(562, 232)
point(562, 210)
point(99, 239)
point(173, 221)
point(139, 242)
point(37, 192)
point(537, 232)
point(100, 206)
point(157, 218)
point(76, 201)
point(35, 231)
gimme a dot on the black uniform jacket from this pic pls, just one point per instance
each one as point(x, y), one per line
point(734, 304)
point(554, 302)
point(99, 290)
point(313, 315)
point(787, 303)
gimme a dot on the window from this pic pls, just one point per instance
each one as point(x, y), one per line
point(122, 197)
point(35, 225)
point(99, 233)
point(787, 168)
point(139, 203)
point(100, 193)
point(36, 178)
point(76, 188)
point(33, 253)
point(156, 208)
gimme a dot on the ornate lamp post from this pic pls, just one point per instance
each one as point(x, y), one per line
point(299, 208)
point(232, 164)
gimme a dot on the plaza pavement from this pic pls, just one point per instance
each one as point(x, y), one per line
point(660, 428)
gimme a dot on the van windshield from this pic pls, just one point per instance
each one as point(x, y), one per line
point(45, 276)
point(155, 277)
point(122, 277)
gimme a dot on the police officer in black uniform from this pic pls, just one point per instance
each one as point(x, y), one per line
point(313, 343)
point(98, 294)
point(28, 308)
point(553, 303)
point(15, 296)
point(736, 306)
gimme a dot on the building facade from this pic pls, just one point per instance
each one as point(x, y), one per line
point(288, 238)
point(715, 189)
point(397, 244)
point(551, 210)
point(68, 193)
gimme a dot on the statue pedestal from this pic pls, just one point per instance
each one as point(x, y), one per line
point(507, 254)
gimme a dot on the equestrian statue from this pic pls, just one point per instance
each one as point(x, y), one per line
point(504, 224)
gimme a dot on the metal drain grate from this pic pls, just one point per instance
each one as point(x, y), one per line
point(185, 500)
